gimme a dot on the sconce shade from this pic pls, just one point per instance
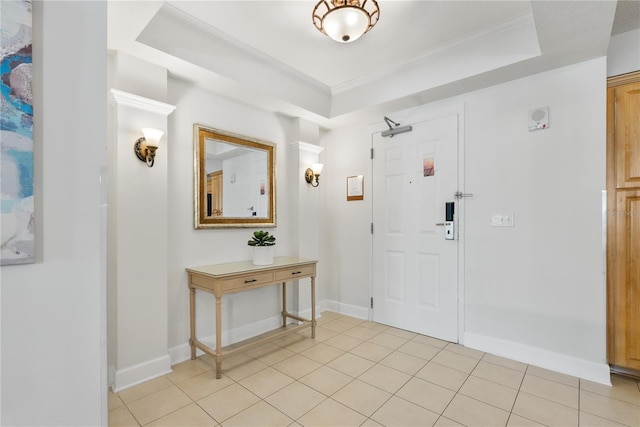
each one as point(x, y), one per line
point(152, 136)
point(313, 172)
point(145, 147)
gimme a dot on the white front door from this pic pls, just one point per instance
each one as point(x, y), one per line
point(415, 269)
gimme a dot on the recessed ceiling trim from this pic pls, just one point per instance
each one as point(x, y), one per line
point(240, 47)
point(564, 33)
point(479, 55)
point(522, 21)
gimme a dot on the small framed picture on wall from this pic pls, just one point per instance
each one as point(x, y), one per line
point(355, 188)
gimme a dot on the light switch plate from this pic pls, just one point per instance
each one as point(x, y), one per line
point(502, 220)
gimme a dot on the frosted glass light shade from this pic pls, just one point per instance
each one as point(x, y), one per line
point(317, 168)
point(152, 136)
point(346, 24)
point(345, 20)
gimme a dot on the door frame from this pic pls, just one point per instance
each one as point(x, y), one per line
point(411, 117)
point(610, 224)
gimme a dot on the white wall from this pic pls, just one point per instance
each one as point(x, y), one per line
point(243, 313)
point(306, 202)
point(138, 250)
point(242, 176)
point(623, 55)
point(53, 338)
point(540, 285)
point(345, 235)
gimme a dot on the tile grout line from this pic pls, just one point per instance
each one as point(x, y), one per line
point(613, 398)
point(131, 412)
point(394, 394)
point(375, 363)
point(510, 412)
point(580, 398)
point(150, 394)
point(459, 388)
point(262, 399)
point(327, 397)
point(520, 391)
point(526, 369)
point(195, 402)
point(297, 380)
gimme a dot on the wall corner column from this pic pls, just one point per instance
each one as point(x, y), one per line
point(137, 243)
point(306, 229)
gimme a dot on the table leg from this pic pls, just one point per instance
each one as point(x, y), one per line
point(284, 304)
point(218, 337)
point(313, 306)
point(192, 321)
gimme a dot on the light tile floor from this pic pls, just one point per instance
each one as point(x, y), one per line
point(358, 373)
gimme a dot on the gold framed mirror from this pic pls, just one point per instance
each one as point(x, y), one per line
point(234, 180)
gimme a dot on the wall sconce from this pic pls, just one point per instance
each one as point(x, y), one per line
point(145, 147)
point(314, 170)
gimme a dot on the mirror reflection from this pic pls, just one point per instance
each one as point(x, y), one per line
point(234, 180)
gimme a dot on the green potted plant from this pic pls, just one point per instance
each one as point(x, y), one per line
point(262, 243)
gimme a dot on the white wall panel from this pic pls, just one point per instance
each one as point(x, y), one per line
point(394, 216)
point(540, 284)
point(188, 247)
point(53, 332)
point(428, 280)
point(396, 269)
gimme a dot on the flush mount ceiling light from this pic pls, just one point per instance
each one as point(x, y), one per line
point(345, 20)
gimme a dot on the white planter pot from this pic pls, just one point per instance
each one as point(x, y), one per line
point(262, 255)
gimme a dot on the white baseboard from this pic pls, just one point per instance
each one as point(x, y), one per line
point(319, 309)
point(182, 352)
point(137, 374)
point(585, 369)
point(346, 309)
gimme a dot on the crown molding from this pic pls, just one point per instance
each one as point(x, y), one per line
point(127, 99)
point(309, 148)
point(510, 24)
point(240, 47)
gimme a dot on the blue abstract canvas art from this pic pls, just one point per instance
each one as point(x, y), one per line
point(16, 134)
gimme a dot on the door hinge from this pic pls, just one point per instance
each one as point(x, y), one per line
point(371, 302)
point(371, 228)
point(372, 154)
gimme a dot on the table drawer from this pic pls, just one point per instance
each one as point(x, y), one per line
point(295, 272)
point(247, 280)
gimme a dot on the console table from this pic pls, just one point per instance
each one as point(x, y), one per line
point(220, 279)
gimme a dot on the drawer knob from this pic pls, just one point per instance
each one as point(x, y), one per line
point(296, 272)
point(250, 281)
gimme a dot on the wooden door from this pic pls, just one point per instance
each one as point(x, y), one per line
point(415, 269)
point(216, 193)
point(623, 223)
